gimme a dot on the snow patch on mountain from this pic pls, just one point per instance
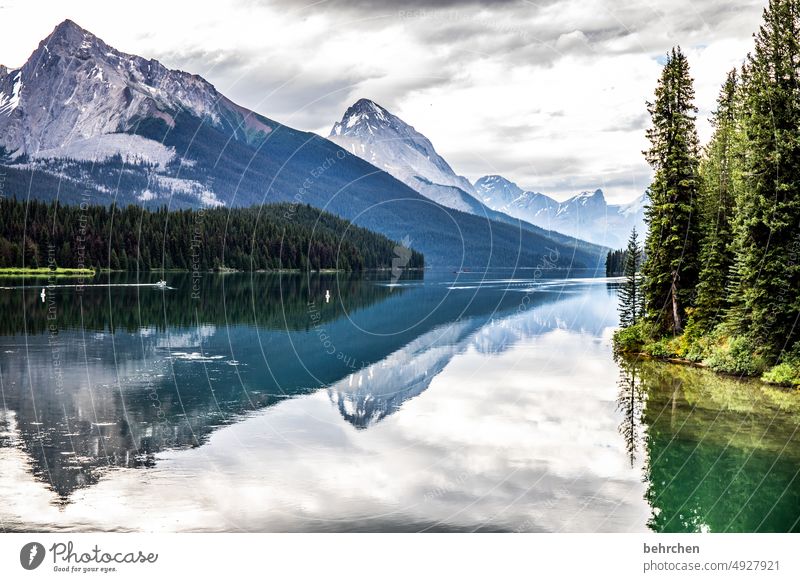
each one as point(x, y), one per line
point(132, 149)
point(10, 101)
point(164, 187)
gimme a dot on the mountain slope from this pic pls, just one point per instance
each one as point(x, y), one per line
point(389, 143)
point(372, 133)
point(101, 91)
point(586, 216)
point(82, 122)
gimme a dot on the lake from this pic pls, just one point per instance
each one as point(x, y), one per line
point(439, 402)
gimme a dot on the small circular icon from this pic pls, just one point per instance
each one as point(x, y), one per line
point(31, 555)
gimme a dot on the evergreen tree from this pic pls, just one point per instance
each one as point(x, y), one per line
point(718, 178)
point(114, 261)
point(152, 240)
point(672, 244)
point(615, 263)
point(630, 295)
point(767, 262)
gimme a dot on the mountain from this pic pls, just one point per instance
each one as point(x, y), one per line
point(372, 133)
point(586, 216)
point(505, 196)
point(379, 137)
point(84, 123)
point(100, 91)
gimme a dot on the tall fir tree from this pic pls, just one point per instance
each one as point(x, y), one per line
point(719, 179)
point(673, 239)
point(630, 295)
point(767, 229)
point(615, 263)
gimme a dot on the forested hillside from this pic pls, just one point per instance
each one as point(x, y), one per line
point(273, 236)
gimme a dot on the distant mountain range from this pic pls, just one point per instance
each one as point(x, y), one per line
point(586, 216)
point(372, 133)
point(83, 122)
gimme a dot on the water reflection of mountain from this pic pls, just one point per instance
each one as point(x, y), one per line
point(369, 395)
point(721, 454)
point(86, 400)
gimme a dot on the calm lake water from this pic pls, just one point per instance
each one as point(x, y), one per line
point(449, 402)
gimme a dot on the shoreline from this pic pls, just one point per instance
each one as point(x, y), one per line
point(45, 272)
point(766, 375)
point(75, 272)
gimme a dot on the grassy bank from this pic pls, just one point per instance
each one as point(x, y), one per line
point(718, 351)
point(44, 272)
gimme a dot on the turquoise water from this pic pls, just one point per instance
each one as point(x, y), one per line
point(449, 402)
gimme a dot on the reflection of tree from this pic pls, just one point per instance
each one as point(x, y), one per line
point(612, 288)
point(272, 301)
point(630, 401)
point(720, 454)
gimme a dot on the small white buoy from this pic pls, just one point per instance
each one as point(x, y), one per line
point(43, 294)
point(327, 295)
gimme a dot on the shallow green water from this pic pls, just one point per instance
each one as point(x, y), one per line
point(721, 454)
point(469, 402)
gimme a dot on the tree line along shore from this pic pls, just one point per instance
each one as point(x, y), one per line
point(720, 282)
point(38, 237)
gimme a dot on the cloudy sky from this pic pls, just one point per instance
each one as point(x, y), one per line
point(549, 93)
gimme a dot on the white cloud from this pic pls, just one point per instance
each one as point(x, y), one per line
point(570, 77)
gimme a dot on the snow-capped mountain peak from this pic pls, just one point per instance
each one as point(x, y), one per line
point(497, 186)
point(374, 134)
point(78, 99)
point(588, 195)
point(69, 35)
point(504, 195)
point(75, 87)
point(364, 113)
point(586, 215)
point(594, 200)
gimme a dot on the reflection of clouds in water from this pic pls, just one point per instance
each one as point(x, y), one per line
point(194, 357)
point(498, 440)
point(188, 339)
point(8, 428)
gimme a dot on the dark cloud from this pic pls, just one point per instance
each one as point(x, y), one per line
point(384, 5)
point(283, 93)
point(631, 123)
point(516, 132)
point(475, 35)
